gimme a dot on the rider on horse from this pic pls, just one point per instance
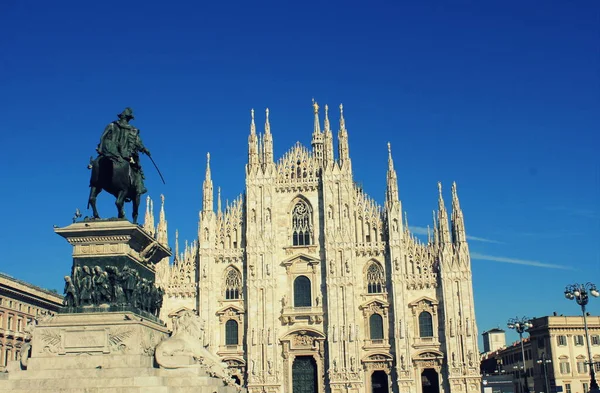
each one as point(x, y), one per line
point(121, 142)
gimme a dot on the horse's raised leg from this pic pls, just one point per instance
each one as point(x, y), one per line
point(94, 191)
point(136, 204)
point(120, 202)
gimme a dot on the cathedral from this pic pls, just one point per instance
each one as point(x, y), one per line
point(306, 284)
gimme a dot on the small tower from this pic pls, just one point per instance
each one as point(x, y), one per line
point(149, 216)
point(343, 153)
point(161, 228)
point(443, 230)
point(207, 188)
point(252, 144)
point(458, 221)
point(267, 142)
point(328, 157)
point(317, 136)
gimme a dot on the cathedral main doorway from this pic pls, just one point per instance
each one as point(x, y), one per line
point(430, 381)
point(304, 375)
point(379, 382)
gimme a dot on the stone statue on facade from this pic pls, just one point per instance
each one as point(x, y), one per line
point(117, 168)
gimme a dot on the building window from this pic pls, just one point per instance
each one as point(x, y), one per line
point(233, 284)
point(578, 340)
point(565, 367)
point(586, 387)
point(10, 323)
point(561, 340)
point(376, 327)
point(567, 388)
point(425, 325)
point(597, 365)
point(19, 323)
point(302, 296)
point(595, 340)
point(301, 224)
point(581, 366)
point(375, 278)
point(231, 332)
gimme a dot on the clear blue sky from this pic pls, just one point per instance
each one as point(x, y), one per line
point(502, 97)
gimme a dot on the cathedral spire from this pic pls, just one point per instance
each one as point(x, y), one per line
point(149, 217)
point(176, 242)
point(436, 237)
point(207, 189)
point(328, 156)
point(392, 179)
point(343, 154)
point(161, 228)
point(317, 136)
point(267, 141)
point(458, 222)
point(444, 232)
point(252, 142)
point(219, 201)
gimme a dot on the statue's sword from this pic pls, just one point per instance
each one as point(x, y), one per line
point(158, 170)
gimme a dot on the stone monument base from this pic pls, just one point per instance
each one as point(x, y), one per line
point(109, 352)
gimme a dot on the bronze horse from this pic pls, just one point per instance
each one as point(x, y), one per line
point(116, 177)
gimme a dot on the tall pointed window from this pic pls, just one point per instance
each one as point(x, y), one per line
point(231, 332)
point(375, 278)
point(233, 284)
point(425, 324)
point(376, 327)
point(301, 224)
point(302, 295)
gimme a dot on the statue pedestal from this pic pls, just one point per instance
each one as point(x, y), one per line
point(95, 340)
point(115, 242)
point(113, 268)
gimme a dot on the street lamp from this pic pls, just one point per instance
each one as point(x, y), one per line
point(521, 325)
point(544, 362)
point(579, 292)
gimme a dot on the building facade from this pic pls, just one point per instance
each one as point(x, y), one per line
point(305, 282)
point(20, 304)
point(493, 340)
point(556, 357)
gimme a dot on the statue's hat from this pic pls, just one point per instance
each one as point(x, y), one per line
point(127, 112)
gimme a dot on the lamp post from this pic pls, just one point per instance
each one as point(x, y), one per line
point(521, 325)
point(579, 293)
point(544, 362)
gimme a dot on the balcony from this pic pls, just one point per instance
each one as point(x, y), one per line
point(426, 342)
point(312, 315)
point(376, 344)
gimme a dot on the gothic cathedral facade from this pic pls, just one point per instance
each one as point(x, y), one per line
point(307, 285)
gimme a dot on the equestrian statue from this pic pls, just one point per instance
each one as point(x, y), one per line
point(117, 167)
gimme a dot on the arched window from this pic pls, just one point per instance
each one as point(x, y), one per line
point(301, 224)
point(376, 327)
point(231, 332)
point(233, 284)
point(375, 278)
point(425, 325)
point(302, 296)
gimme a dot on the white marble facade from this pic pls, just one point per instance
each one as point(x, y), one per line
point(304, 274)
